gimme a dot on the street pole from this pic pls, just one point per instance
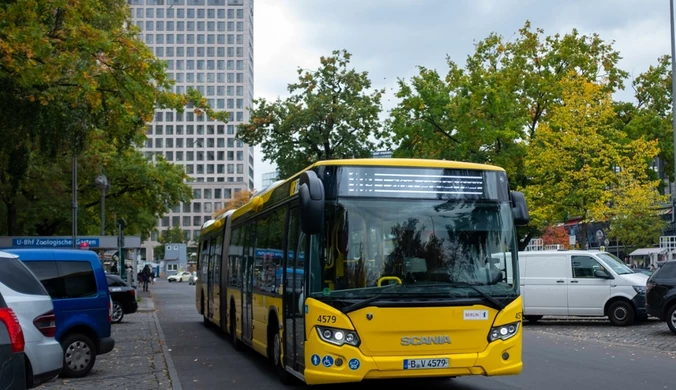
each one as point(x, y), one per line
point(673, 103)
point(103, 212)
point(74, 176)
point(102, 184)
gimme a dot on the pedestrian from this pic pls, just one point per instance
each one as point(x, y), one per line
point(145, 274)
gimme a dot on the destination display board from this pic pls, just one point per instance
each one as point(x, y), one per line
point(425, 183)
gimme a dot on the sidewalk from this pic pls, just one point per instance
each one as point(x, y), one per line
point(140, 359)
point(146, 304)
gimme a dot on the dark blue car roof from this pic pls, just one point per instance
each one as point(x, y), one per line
point(54, 254)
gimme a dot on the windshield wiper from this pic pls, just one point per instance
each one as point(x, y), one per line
point(488, 297)
point(365, 302)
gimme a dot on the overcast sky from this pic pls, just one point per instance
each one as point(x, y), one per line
point(389, 38)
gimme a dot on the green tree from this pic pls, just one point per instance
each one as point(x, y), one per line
point(141, 191)
point(637, 223)
point(650, 114)
point(330, 115)
point(491, 110)
point(485, 112)
point(580, 165)
point(173, 235)
point(68, 69)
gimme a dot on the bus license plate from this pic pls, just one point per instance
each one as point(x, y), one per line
point(425, 364)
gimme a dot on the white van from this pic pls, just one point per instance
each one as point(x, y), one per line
point(580, 283)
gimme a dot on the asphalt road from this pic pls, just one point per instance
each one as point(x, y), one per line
point(205, 359)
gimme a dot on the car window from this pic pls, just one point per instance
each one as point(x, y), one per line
point(78, 279)
point(113, 283)
point(19, 278)
point(667, 271)
point(49, 276)
point(585, 266)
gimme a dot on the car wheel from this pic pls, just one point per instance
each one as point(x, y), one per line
point(79, 355)
point(118, 312)
point(621, 313)
point(671, 318)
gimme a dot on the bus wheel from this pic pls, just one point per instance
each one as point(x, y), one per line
point(233, 333)
point(275, 352)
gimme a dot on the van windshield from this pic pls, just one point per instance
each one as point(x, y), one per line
point(616, 264)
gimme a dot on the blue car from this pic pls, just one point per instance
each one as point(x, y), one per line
point(77, 284)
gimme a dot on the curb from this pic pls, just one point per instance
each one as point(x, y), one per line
point(173, 374)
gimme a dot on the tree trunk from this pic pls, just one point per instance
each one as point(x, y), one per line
point(11, 218)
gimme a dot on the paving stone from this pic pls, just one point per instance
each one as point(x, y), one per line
point(651, 334)
point(136, 362)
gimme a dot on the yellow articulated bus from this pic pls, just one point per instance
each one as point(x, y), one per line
point(371, 268)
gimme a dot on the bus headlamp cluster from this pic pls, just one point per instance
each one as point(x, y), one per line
point(503, 332)
point(338, 336)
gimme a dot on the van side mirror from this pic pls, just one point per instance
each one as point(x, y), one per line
point(311, 194)
point(602, 274)
point(519, 208)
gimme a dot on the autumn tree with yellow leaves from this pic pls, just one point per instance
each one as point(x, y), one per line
point(241, 198)
point(580, 165)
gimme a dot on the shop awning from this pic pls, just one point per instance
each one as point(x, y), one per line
point(647, 251)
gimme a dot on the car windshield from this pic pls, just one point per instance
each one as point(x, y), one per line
point(616, 264)
point(457, 248)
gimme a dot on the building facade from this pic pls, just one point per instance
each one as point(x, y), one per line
point(208, 46)
point(268, 178)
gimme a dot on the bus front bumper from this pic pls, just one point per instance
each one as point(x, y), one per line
point(348, 364)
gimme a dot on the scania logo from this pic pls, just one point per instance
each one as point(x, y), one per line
point(425, 340)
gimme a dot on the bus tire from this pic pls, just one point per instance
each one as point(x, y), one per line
point(275, 350)
point(233, 329)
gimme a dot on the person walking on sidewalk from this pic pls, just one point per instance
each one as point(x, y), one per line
point(146, 277)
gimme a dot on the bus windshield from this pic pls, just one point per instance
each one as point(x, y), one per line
point(434, 248)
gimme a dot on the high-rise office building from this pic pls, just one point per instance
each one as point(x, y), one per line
point(208, 45)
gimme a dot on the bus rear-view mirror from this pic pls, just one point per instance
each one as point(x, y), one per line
point(519, 208)
point(311, 193)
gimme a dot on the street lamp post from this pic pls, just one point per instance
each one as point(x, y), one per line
point(673, 101)
point(103, 185)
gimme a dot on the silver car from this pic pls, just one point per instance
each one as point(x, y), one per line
point(33, 306)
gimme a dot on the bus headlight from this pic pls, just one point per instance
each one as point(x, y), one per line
point(503, 332)
point(338, 336)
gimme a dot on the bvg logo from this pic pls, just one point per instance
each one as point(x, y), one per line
point(425, 340)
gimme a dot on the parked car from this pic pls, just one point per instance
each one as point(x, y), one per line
point(193, 278)
point(77, 284)
point(123, 296)
point(12, 359)
point(661, 294)
point(33, 306)
point(179, 277)
point(580, 283)
point(645, 271)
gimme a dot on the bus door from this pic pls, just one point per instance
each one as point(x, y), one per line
point(247, 286)
point(294, 294)
point(210, 280)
